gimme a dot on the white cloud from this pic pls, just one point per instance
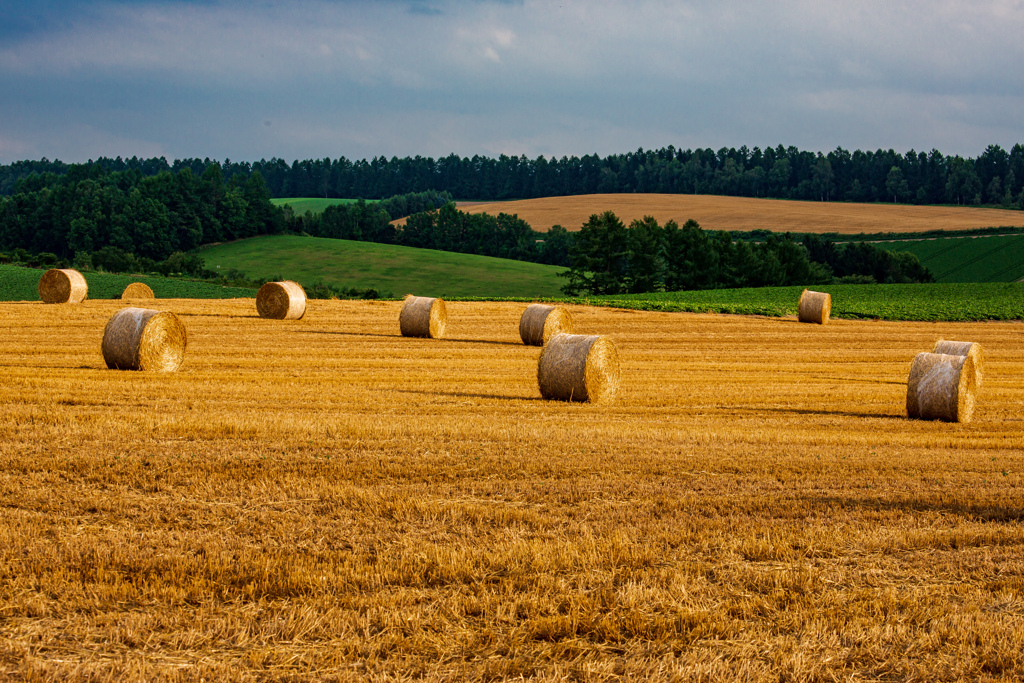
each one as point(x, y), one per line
point(545, 77)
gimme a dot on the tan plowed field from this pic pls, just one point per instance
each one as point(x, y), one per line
point(743, 213)
point(325, 500)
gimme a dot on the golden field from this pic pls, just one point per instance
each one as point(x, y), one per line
point(744, 213)
point(325, 500)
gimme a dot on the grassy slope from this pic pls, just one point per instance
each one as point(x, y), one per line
point(387, 268)
point(301, 205)
point(22, 284)
point(972, 259)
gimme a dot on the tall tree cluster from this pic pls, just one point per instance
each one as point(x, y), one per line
point(608, 257)
point(89, 208)
point(995, 177)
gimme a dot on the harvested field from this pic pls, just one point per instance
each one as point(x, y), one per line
point(744, 214)
point(328, 500)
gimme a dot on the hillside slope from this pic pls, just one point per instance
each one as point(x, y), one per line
point(742, 213)
point(384, 267)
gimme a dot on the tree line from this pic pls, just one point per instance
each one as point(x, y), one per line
point(995, 177)
point(90, 210)
point(92, 217)
point(607, 257)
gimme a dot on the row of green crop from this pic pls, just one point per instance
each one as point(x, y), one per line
point(989, 258)
point(953, 302)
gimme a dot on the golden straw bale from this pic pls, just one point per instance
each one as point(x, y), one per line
point(62, 286)
point(814, 307)
point(540, 322)
point(579, 367)
point(941, 387)
point(284, 300)
point(144, 339)
point(137, 290)
point(423, 316)
point(972, 349)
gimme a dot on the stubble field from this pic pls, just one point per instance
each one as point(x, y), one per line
point(326, 500)
point(747, 213)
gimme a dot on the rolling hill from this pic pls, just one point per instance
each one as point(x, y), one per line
point(745, 214)
point(384, 267)
point(977, 258)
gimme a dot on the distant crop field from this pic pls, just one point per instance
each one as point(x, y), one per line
point(979, 258)
point(315, 205)
point(22, 284)
point(745, 214)
point(325, 500)
point(385, 267)
point(949, 302)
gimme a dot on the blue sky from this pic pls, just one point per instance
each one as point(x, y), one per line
point(313, 79)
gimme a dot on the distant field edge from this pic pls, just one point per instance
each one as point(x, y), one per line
point(19, 283)
point(942, 302)
point(745, 214)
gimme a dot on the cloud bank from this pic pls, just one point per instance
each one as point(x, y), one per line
point(359, 79)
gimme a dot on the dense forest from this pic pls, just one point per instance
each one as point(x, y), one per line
point(125, 220)
point(608, 257)
point(995, 177)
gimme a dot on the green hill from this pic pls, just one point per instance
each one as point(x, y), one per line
point(22, 284)
point(300, 205)
point(384, 267)
point(974, 258)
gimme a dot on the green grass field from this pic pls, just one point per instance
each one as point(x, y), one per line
point(967, 259)
point(384, 267)
point(300, 205)
point(943, 301)
point(22, 284)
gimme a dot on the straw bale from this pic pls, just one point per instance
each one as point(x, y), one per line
point(144, 339)
point(284, 300)
point(814, 307)
point(62, 286)
point(137, 290)
point(423, 316)
point(941, 387)
point(540, 322)
point(957, 348)
point(578, 367)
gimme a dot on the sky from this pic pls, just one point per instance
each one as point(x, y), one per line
point(228, 79)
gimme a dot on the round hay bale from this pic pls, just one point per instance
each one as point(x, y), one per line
point(972, 349)
point(579, 367)
point(814, 307)
point(62, 286)
point(137, 291)
point(941, 387)
point(281, 300)
point(144, 339)
point(540, 322)
point(423, 316)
